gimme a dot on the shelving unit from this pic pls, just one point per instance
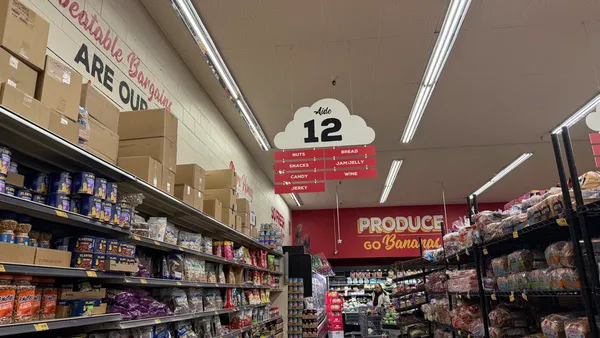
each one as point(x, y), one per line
point(38, 148)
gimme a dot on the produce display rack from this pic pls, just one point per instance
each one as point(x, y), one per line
point(39, 148)
point(573, 224)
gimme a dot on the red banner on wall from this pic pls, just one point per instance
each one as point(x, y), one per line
point(376, 232)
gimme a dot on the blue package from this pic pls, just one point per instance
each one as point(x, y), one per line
point(100, 188)
point(106, 211)
point(10, 189)
point(24, 194)
point(60, 182)
point(37, 182)
point(83, 183)
point(60, 201)
point(100, 245)
point(81, 307)
point(39, 198)
point(111, 192)
point(3, 184)
point(112, 246)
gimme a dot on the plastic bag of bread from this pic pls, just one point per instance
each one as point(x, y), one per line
point(503, 316)
point(553, 254)
point(487, 217)
point(525, 260)
point(590, 180)
point(567, 256)
point(554, 325)
point(577, 328)
point(500, 266)
point(534, 214)
point(555, 202)
point(539, 279)
point(465, 238)
point(502, 283)
point(526, 204)
point(495, 332)
point(564, 279)
point(535, 335)
point(517, 281)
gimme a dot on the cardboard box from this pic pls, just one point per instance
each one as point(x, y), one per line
point(254, 232)
point(168, 181)
point(59, 87)
point(144, 167)
point(185, 193)
point(245, 218)
point(218, 179)
point(159, 148)
point(212, 207)
point(246, 231)
point(199, 200)
point(147, 124)
point(51, 257)
point(71, 295)
point(17, 74)
point(112, 266)
point(23, 32)
point(103, 140)
point(190, 174)
point(228, 217)
point(99, 310)
point(63, 126)
point(99, 154)
point(25, 105)
point(19, 254)
point(243, 205)
point(238, 223)
point(225, 195)
point(15, 179)
point(99, 107)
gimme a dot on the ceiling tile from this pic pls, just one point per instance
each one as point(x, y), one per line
point(411, 17)
point(352, 19)
point(293, 22)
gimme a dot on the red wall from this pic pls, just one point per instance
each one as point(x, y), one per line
point(364, 236)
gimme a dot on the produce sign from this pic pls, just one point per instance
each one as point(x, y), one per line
point(326, 124)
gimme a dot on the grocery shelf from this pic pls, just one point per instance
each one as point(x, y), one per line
point(33, 145)
point(51, 214)
point(50, 271)
point(467, 295)
point(535, 293)
point(57, 324)
point(457, 332)
point(411, 307)
point(402, 294)
point(416, 275)
point(276, 290)
point(157, 282)
point(235, 333)
point(130, 324)
point(159, 245)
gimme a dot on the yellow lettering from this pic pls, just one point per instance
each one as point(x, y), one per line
point(367, 245)
point(388, 241)
point(376, 245)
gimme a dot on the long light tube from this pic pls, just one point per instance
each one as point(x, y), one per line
point(389, 181)
point(578, 115)
point(452, 22)
point(197, 28)
point(503, 173)
point(296, 199)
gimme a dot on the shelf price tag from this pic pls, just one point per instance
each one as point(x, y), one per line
point(2, 269)
point(457, 257)
point(494, 296)
point(515, 234)
point(511, 297)
point(485, 252)
point(562, 222)
point(91, 273)
point(157, 243)
point(143, 281)
point(179, 283)
point(157, 321)
point(467, 251)
point(41, 327)
point(61, 213)
point(524, 296)
point(468, 295)
point(136, 237)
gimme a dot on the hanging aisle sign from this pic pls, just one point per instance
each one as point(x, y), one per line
point(326, 124)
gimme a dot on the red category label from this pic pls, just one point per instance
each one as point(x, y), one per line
point(595, 138)
point(350, 151)
point(597, 159)
point(300, 165)
point(350, 174)
point(351, 163)
point(596, 149)
point(298, 154)
point(299, 188)
point(300, 177)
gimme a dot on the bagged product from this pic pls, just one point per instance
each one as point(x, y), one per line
point(157, 227)
point(567, 256)
point(176, 299)
point(500, 266)
point(525, 260)
point(553, 254)
point(175, 266)
point(503, 316)
point(553, 326)
point(190, 240)
point(171, 234)
point(564, 278)
point(577, 328)
point(539, 279)
point(195, 299)
point(194, 269)
point(502, 283)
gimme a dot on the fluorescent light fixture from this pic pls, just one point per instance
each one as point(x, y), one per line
point(578, 115)
point(296, 199)
point(502, 173)
point(452, 22)
point(190, 16)
point(389, 181)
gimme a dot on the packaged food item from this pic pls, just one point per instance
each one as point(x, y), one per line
point(171, 234)
point(82, 260)
point(125, 215)
point(24, 194)
point(567, 256)
point(25, 293)
point(7, 299)
point(115, 213)
point(98, 261)
point(3, 184)
point(112, 246)
point(539, 279)
point(8, 224)
point(207, 245)
point(60, 201)
point(502, 283)
point(5, 155)
point(37, 182)
point(127, 249)
point(190, 240)
point(111, 192)
point(577, 328)
point(228, 250)
point(554, 325)
point(211, 276)
point(525, 260)
point(48, 299)
point(39, 198)
point(100, 188)
point(553, 254)
point(60, 183)
point(195, 300)
point(176, 299)
point(564, 278)
point(13, 167)
point(500, 266)
point(83, 183)
point(106, 212)
point(175, 266)
point(157, 227)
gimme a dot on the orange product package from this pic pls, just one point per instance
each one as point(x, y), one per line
point(7, 299)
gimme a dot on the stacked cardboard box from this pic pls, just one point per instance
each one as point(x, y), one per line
point(220, 185)
point(151, 133)
point(189, 184)
point(102, 138)
point(243, 214)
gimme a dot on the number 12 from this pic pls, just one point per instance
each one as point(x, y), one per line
point(326, 133)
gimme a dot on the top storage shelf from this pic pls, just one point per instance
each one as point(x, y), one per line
point(41, 145)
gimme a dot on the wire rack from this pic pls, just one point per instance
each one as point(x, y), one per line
point(370, 325)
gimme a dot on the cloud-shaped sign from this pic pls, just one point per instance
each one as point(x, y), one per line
point(327, 123)
point(593, 119)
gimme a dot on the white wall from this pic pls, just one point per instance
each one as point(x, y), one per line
point(204, 137)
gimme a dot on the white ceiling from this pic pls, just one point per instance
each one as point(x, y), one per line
point(518, 68)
